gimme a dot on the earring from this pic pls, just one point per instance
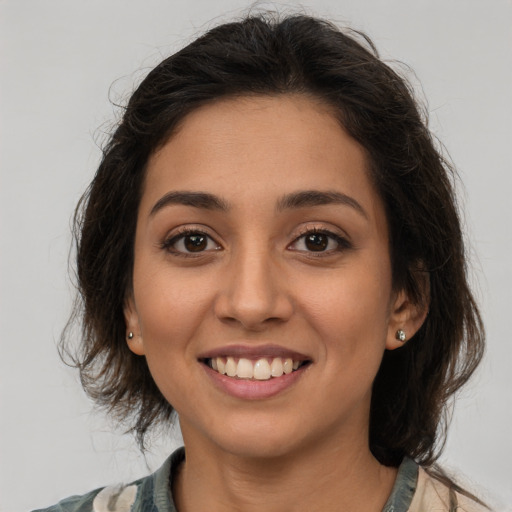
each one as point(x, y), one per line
point(400, 335)
point(130, 335)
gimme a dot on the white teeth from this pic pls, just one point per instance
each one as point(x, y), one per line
point(276, 368)
point(244, 369)
point(262, 369)
point(231, 367)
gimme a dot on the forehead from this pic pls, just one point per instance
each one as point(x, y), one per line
point(254, 149)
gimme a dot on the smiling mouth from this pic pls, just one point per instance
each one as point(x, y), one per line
point(258, 369)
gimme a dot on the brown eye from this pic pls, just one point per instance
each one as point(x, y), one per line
point(316, 242)
point(189, 243)
point(195, 243)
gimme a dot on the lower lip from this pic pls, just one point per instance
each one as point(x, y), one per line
point(253, 389)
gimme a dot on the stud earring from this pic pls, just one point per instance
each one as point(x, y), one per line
point(400, 335)
point(130, 335)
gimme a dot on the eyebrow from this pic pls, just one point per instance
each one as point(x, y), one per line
point(295, 200)
point(195, 199)
point(307, 198)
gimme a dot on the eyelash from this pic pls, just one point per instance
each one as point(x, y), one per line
point(169, 244)
point(342, 243)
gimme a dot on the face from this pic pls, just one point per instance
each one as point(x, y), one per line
point(262, 295)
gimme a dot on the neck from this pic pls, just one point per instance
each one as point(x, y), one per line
point(333, 476)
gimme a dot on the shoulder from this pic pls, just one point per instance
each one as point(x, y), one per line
point(114, 498)
point(133, 497)
point(434, 496)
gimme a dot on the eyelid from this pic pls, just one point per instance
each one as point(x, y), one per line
point(341, 239)
point(171, 239)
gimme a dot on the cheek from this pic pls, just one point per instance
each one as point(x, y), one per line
point(171, 307)
point(350, 313)
point(172, 310)
point(348, 297)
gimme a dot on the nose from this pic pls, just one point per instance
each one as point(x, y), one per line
point(253, 292)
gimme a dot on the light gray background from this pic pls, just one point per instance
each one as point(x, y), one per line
point(58, 60)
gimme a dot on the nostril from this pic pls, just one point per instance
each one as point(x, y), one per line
point(251, 323)
point(253, 297)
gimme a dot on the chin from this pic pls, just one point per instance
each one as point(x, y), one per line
point(267, 438)
point(261, 436)
point(261, 446)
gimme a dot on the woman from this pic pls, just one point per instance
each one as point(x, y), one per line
point(271, 248)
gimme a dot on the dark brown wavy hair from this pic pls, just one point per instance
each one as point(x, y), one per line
point(271, 55)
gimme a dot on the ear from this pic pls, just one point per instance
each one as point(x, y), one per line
point(406, 317)
point(133, 332)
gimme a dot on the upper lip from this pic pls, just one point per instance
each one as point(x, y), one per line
point(254, 352)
